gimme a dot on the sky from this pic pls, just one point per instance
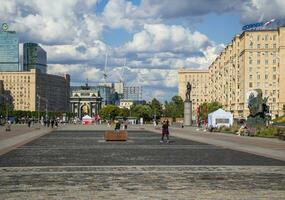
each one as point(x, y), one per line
point(146, 41)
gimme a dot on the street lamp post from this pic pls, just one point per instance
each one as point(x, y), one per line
point(39, 106)
point(46, 108)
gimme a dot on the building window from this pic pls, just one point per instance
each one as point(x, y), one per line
point(250, 69)
point(274, 77)
point(266, 53)
point(274, 46)
point(258, 54)
point(266, 46)
point(258, 37)
point(250, 61)
point(266, 76)
point(258, 62)
point(266, 62)
point(258, 46)
point(250, 44)
point(258, 76)
point(274, 69)
point(274, 61)
point(250, 77)
point(250, 84)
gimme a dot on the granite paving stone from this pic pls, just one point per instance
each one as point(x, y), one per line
point(81, 165)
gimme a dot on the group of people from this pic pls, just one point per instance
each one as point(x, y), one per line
point(118, 125)
point(165, 129)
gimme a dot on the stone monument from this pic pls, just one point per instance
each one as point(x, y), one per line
point(188, 106)
point(258, 111)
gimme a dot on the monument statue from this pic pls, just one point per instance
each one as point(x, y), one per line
point(85, 109)
point(188, 91)
point(258, 110)
point(188, 106)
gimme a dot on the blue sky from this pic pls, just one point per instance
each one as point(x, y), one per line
point(155, 37)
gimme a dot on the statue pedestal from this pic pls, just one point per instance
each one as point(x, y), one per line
point(187, 113)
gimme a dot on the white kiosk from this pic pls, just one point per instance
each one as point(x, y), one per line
point(220, 118)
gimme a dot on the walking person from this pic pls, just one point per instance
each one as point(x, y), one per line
point(165, 131)
point(52, 123)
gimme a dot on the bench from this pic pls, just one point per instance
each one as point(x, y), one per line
point(122, 135)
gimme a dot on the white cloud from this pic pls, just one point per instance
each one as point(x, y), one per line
point(161, 37)
point(72, 34)
point(262, 10)
point(76, 52)
point(53, 21)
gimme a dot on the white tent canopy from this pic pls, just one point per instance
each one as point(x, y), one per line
point(220, 118)
point(87, 117)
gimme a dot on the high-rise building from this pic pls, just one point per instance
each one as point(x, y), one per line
point(119, 87)
point(9, 51)
point(253, 60)
point(132, 93)
point(35, 91)
point(34, 57)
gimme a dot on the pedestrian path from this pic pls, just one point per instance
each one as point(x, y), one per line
point(74, 162)
point(19, 135)
point(272, 148)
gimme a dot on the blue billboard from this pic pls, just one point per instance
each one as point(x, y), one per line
point(250, 26)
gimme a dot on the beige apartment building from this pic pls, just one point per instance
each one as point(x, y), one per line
point(35, 91)
point(253, 60)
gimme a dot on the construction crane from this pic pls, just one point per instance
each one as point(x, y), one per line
point(105, 68)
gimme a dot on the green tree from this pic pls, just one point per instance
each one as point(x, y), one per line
point(109, 112)
point(175, 108)
point(207, 108)
point(156, 108)
point(143, 111)
point(124, 112)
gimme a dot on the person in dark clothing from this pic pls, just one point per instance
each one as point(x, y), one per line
point(117, 126)
point(165, 131)
point(29, 123)
point(52, 123)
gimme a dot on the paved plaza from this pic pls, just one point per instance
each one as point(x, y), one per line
point(74, 162)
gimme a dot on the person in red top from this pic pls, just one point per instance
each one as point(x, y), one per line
point(165, 131)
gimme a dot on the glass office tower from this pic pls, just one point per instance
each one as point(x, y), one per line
point(9, 51)
point(34, 57)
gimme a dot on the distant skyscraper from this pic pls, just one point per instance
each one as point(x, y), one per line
point(34, 57)
point(9, 51)
point(132, 93)
point(119, 87)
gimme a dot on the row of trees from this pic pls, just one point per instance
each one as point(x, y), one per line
point(34, 114)
point(148, 111)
